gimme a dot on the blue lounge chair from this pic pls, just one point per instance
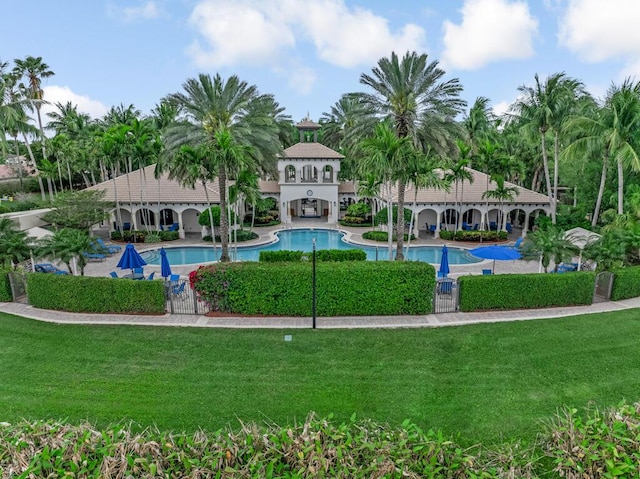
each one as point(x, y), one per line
point(493, 226)
point(508, 227)
point(487, 271)
point(174, 277)
point(48, 268)
point(111, 249)
point(178, 289)
point(113, 274)
point(153, 273)
point(94, 256)
point(517, 244)
point(432, 229)
point(173, 227)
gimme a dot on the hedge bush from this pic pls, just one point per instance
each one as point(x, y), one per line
point(524, 291)
point(382, 236)
point(241, 235)
point(321, 255)
point(626, 283)
point(5, 286)
point(86, 294)
point(474, 236)
point(354, 288)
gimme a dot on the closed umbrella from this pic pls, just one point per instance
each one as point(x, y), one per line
point(131, 259)
point(165, 267)
point(444, 263)
point(495, 252)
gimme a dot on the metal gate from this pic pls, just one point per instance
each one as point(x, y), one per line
point(603, 287)
point(181, 299)
point(18, 282)
point(445, 296)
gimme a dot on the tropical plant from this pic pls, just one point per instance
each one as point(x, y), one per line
point(78, 209)
point(67, 245)
point(14, 244)
point(547, 245)
point(410, 93)
point(501, 193)
point(233, 123)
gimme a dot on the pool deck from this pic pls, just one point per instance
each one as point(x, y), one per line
point(103, 268)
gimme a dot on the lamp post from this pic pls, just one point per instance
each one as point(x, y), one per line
point(313, 285)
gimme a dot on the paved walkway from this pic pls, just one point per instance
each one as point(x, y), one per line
point(348, 322)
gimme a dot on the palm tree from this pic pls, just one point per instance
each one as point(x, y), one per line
point(370, 188)
point(234, 122)
point(68, 245)
point(385, 154)
point(410, 93)
point(459, 173)
point(35, 70)
point(245, 190)
point(14, 244)
point(501, 193)
point(478, 124)
point(544, 107)
point(611, 133)
point(548, 244)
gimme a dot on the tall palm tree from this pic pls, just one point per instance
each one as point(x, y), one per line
point(458, 173)
point(611, 133)
point(410, 93)
point(226, 117)
point(386, 154)
point(478, 124)
point(14, 245)
point(35, 70)
point(544, 107)
point(369, 188)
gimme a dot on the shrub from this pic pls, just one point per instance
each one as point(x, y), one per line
point(381, 216)
point(85, 294)
point(321, 255)
point(343, 289)
point(358, 210)
point(382, 236)
point(169, 235)
point(354, 221)
point(626, 283)
point(5, 286)
point(116, 235)
point(523, 291)
point(204, 220)
point(474, 236)
point(242, 235)
point(152, 238)
point(133, 236)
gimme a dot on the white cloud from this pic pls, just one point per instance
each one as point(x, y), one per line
point(599, 32)
point(261, 32)
point(302, 79)
point(147, 11)
point(63, 94)
point(501, 108)
point(238, 32)
point(491, 30)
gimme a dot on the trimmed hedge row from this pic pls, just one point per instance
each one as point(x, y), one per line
point(85, 294)
point(626, 283)
point(383, 236)
point(5, 286)
point(354, 288)
point(524, 291)
point(474, 236)
point(321, 255)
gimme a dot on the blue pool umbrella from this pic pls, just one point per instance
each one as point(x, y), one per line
point(495, 252)
point(131, 259)
point(444, 262)
point(165, 267)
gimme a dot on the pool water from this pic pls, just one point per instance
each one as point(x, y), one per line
point(302, 240)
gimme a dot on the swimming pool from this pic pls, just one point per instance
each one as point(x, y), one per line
point(302, 240)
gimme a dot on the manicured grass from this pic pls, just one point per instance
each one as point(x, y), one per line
point(486, 382)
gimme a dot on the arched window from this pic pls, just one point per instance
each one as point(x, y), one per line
point(309, 174)
point(290, 174)
point(327, 174)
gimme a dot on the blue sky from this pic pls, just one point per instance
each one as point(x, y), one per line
point(309, 52)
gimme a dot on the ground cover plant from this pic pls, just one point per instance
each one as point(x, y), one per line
point(488, 382)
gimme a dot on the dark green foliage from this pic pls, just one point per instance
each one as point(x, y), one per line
point(169, 235)
point(116, 235)
point(355, 288)
point(360, 210)
point(240, 236)
point(626, 283)
point(78, 209)
point(321, 255)
point(355, 221)
point(5, 286)
point(11, 187)
point(474, 236)
point(205, 219)
point(523, 291)
point(95, 295)
point(382, 236)
point(381, 216)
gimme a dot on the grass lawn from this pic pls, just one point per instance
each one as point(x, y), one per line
point(486, 382)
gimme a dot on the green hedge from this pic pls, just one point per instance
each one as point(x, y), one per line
point(321, 255)
point(382, 236)
point(354, 288)
point(5, 286)
point(474, 236)
point(626, 283)
point(524, 291)
point(86, 294)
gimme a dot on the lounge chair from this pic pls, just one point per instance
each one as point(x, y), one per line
point(94, 256)
point(178, 289)
point(173, 227)
point(508, 227)
point(487, 271)
point(174, 277)
point(48, 268)
point(517, 244)
point(153, 273)
point(445, 286)
point(111, 249)
point(493, 226)
point(113, 274)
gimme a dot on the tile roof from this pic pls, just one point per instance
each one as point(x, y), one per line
point(312, 150)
